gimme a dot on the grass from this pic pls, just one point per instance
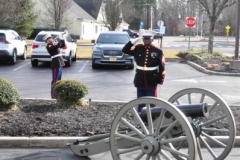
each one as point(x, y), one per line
point(79, 42)
point(87, 53)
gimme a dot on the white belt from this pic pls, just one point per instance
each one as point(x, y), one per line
point(58, 55)
point(147, 68)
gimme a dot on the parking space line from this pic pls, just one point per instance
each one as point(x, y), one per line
point(21, 67)
point(83, 67)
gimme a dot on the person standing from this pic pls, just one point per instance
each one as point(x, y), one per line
point(150, 66)
point(57, 59)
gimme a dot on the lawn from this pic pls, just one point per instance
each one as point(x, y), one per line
point(87, 53)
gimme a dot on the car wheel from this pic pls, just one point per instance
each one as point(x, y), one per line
point(134, 36)
point(14, 57)
point(94, 66)
point(75, 56)
point(34, 63)
point(69, 61)
point(24, 56)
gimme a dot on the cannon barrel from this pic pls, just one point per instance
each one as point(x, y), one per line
point(189, 110)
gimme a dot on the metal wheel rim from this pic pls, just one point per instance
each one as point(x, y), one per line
point(175, 99)
point(180, 117)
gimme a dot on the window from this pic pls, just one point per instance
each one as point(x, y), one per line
point(113, 38)
point(2, 37)
point(69, 38)
point(12, 36)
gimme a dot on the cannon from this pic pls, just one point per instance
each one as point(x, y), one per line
point(179, 128)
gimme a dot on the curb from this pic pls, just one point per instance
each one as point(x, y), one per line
point(204, 70)
point(61, 142)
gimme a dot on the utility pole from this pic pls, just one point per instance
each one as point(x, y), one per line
point(147, 15)
point(237, 34)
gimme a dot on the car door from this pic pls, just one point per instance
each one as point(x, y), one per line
point(18, 43)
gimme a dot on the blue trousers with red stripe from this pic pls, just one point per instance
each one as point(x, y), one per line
point(146, 92)
point(56, 76)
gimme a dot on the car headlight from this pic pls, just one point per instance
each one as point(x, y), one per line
point(97, 51)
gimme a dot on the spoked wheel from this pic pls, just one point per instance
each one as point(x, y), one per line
point(149, 138)
point(218, 129)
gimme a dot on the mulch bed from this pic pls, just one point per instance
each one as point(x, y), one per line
point(47, 118)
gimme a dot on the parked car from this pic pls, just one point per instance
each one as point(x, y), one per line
point(157, 33)
point(108, 50)
point(12, 46)
point(131, 33)
point(39, 52)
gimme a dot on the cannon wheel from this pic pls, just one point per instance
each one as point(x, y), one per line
point(151, 138)
point(218, 124)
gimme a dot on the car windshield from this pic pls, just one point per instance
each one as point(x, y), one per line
point(156, 30)
point(39, 38)
point(113, 38)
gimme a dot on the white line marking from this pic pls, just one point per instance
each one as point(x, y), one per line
point(212, 81)
point(21, 67)
point(186, 80)
point(83, 67)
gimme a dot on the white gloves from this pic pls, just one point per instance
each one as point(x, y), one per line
point(65, 32)
point(134, 41)
point(60, 36)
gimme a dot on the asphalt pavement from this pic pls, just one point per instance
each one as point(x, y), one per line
point(36, 152)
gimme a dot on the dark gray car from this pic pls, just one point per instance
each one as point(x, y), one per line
point(108, 50)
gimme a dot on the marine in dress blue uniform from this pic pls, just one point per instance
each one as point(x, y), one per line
point(150, 66)
point(57, 59)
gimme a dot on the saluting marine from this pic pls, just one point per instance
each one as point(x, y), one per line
point(57, 59)
point(150, 69)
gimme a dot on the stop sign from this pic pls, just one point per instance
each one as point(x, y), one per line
point(190, 22)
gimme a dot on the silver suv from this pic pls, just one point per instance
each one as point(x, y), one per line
point(12, 46)
point(108, 50)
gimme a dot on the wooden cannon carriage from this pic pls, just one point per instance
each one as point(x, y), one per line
point(179, 128)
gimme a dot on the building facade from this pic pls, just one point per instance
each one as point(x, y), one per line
point(82, 19)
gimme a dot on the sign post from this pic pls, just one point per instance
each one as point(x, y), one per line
point(227, 31)
point(190, 22)
point(161, 26)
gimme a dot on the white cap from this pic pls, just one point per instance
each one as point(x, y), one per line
point(46, 37)
point(147, 34)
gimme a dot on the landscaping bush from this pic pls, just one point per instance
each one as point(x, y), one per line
point(9, 95)
point(199, 56)
point(70, 91)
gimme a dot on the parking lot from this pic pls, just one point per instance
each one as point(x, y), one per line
point(116, 83)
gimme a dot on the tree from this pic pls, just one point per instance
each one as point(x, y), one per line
point(24, 16)
point(28, 18)
point(213, 9)
point(112, 14)
point(56, 14)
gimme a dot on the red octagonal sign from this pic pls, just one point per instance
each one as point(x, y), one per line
point(190, 22)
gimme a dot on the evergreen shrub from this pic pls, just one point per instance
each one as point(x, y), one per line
point(9, 95)
point(70, 92)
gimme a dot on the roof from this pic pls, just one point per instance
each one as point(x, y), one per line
point(114, 32)
point(92, 7)
point(78, 12)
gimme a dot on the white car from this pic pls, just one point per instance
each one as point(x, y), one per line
point(39, 52)
point(12, 46)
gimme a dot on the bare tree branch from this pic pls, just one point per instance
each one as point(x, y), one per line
point(56, 14)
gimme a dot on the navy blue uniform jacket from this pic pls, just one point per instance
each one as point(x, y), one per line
point(54, 50)
point(150, 56)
